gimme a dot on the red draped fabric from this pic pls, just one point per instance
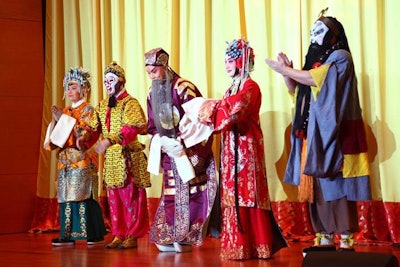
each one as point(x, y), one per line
point(46, 216)
point(377, 222)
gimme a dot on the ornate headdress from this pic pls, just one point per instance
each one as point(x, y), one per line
point(80, 76)
point(241, 51)
point(156, 57)
point(113, 67)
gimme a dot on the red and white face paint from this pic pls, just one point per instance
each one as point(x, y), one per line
point(156, 72)
point(110, 82)
point(230, 66)
point(243, 55)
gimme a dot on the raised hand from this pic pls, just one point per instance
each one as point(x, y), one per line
point(57, 112)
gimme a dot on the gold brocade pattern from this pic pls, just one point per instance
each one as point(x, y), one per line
point(75, 184)
point(240, 253)
point(82, 222)
point(67, 221)
point(76, 169)
point(185, 86)
point(241, 246)
point(169, 234)
point(72, 157)
point(181, 229)
point(237, 117)
point(82, 114)
point(184, 208)
point(120, 160)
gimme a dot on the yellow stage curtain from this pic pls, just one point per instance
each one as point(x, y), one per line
point(93, 33)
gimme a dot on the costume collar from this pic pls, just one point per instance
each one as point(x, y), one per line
point(78, 103)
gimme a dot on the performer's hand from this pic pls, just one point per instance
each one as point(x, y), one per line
point(57, 112)
point(172, 146)
point(102, 146)
point(276, 65)
point(80, 143)
point(282, 57)
point(280, 63)
point(283, 66)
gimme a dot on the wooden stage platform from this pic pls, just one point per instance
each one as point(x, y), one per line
point(35, 250)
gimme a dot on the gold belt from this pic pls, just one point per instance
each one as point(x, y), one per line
point(192, 189)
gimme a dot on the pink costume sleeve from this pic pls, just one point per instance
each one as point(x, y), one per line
point(129, 134)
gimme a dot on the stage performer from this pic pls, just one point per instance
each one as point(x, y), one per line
point(328, 158)
point(119, 118)
point(80, 214)
point(189, 174)
point(249, 230)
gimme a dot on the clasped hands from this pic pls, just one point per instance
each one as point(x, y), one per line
point(280, 64)
point(173, 147)
point(57, 112)
point(100, 148)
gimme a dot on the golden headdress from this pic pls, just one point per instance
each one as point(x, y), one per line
point(156, 57)
point(113, 67)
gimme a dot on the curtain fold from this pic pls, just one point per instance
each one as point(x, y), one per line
point(93, 33)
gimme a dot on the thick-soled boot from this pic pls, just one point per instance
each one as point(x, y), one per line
point(182, 247)
point(62, 242)
point(165, 248)
point(346, 242)
point(322, 242)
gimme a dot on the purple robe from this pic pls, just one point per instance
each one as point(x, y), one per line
point(184, 208)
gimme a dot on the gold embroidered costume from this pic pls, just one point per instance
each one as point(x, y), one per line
point(122, 158)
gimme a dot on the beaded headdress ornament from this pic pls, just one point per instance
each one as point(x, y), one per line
point(79, 76)
point(241, 51)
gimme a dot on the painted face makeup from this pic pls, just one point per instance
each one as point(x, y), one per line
point(230, 66)
point(110, 82)
point(318, 32)
point(155, 72)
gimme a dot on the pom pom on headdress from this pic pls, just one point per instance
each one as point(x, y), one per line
point(156, 57)
point(79, 76)
point(241, 51)
point(113, 67)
